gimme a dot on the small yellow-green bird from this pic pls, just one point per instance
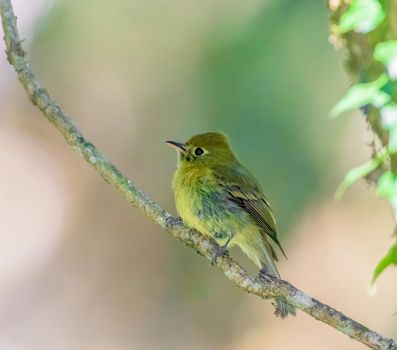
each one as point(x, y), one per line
point(217, 196)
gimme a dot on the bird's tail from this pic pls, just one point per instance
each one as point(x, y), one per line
point(283, 309)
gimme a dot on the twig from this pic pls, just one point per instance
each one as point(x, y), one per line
point(204, 246)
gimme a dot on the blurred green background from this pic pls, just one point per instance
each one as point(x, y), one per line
point(84, 269)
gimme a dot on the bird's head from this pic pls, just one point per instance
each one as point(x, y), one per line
point(204, 150)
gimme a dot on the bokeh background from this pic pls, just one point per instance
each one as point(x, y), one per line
point(82, 269)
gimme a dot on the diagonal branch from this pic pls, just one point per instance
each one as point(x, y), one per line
point(204, 246)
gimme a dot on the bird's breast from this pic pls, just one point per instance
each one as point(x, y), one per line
point(203, 204)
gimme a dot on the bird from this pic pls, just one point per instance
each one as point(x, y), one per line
point(217, 196)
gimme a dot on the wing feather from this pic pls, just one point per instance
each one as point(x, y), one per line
point(245, 191)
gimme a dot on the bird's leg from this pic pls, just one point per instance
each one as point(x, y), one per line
point(220, 251)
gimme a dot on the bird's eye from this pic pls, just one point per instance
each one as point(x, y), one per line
point(198, 151)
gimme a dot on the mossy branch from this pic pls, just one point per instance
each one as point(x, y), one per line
point(204, 246)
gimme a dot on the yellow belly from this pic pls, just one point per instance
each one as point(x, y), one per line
point(210, 217)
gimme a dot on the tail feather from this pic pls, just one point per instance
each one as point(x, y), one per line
point(283, 309)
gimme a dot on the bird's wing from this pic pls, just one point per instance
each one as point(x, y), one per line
point(244, 190)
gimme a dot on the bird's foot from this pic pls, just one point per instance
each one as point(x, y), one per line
point(218, 252)
point(172, 221)
point(266, 275)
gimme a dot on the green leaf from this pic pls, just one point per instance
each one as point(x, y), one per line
point(386, 51)
point(362, 94)
point(392, 145)
point(388, 116)
point(362, 15)
point(389, 259)
point(356, 174)
point(387, 185)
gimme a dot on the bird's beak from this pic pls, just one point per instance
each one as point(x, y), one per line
point(179, 146)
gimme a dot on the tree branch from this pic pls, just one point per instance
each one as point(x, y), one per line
point(204, 246)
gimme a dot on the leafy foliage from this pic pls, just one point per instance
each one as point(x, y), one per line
point(386, 52)
point(359, 172)
point(375, 94)
point(389, 259)
point(362, 15)
point(360, 95)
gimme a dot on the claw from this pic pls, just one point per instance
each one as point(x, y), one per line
point(219, 251)
point(172, 221)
